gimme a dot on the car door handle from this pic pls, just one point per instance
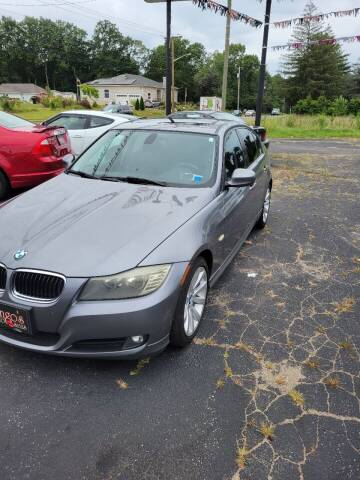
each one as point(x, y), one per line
point(77, 136)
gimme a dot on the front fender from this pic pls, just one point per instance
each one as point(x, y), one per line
point(199, 233)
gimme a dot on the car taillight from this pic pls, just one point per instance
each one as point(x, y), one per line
point(46, 147)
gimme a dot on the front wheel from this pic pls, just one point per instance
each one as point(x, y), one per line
point(4, 186)
point(261, 223)
point(191, 305)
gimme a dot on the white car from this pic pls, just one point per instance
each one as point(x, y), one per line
point(85, 126)
point(250, 113)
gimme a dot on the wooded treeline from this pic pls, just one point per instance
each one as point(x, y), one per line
point(55, 53)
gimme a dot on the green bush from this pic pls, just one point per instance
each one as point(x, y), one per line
point(322, 121)
point(358, 121)
point(339, 107)
point(7, 104)
point(86, 104)
point(290, 121)
point(137, 104)
point(354, 106)
point(141, 104)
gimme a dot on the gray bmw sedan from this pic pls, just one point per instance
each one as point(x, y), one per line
point(115, 257)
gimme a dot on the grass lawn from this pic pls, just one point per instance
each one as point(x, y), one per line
point(284, 126)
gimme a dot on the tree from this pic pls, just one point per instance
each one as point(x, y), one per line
point(316, 70)
point(191, 58)
point(89, 90)
point(137, 104)
point(141, 104)
point(113, 53)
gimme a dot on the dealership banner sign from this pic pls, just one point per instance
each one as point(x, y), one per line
point(354, 12)
point(223, 10)
point(324, 41)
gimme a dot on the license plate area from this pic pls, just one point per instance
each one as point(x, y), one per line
point(15, 319)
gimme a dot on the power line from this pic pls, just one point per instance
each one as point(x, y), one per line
point(45, 4)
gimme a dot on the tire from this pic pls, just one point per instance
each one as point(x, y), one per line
point(4, 186)
point(263, 219)
point(189, 313)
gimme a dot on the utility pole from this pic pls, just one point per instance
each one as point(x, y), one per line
point(173, 74)
point(168, 58)
point(238, 97)
point(226, 57)
point(260, 97)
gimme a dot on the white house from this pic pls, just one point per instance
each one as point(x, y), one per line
point(21, 91)
point(125, 89)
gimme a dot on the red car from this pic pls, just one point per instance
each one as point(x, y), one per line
point(29, 154)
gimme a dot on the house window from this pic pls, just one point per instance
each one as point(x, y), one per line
point(106, 94)
point(149, 96)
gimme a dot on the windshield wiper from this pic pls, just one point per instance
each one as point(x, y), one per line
point(144, 181)
point(80, 174)
point(111, 179)
point(141, 181)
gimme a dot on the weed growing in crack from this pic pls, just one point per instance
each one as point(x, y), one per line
point(314, 364)
point(220, 383)
point(332, 382)
point(241, 457)
point(345, 345)
point(345, 305)
point(297, 398)
point(267, 431)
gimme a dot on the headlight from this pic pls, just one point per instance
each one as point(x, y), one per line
point(131, 284)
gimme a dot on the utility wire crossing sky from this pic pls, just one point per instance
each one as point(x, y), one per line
point(146, 21)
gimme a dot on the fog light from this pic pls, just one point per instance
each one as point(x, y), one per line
point(137, 339)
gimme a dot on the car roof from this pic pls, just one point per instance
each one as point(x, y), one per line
point(98, 113)
point(206, 126)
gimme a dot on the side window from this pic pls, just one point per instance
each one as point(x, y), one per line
point(106, 94)
point(96, 122)
point(252, 144)
point(233, 154)
point(70, 122)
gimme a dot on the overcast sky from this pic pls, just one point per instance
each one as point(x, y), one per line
point(146, 22)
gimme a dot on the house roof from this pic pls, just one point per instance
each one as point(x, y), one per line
point(127, 79)
point(21, 88)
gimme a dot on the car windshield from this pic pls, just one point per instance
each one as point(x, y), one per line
point(12, 121)
point(177, 159)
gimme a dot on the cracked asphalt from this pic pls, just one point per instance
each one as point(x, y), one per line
point(270, 389)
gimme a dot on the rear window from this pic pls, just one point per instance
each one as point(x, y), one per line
point(100, 122)
point(12, 121)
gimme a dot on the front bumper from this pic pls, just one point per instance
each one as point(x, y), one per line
point(100, 328)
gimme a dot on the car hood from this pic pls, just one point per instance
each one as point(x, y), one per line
point(83, 227)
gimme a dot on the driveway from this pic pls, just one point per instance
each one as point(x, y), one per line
point(270, 389)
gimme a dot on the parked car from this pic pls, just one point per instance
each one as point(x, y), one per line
point(152, 104)
point(275, 111)
point(204, 114)
point(237, 113)
point(250, 113)
point(208, 115)
point(149, 233)
point(85, 126)
point(118, 108)
point(29, 153)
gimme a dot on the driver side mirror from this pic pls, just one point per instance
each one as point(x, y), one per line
point(242, 177)
point(68, 160)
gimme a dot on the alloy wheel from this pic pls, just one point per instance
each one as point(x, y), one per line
point(195, 301)
point(266, 207)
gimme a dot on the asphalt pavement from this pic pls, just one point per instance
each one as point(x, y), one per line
point(270, 389)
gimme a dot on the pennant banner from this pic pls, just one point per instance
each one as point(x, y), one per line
point(354, 12)
point(233, 14)
point(324, 41)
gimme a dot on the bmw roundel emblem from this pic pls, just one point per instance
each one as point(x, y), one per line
point(20, 254)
